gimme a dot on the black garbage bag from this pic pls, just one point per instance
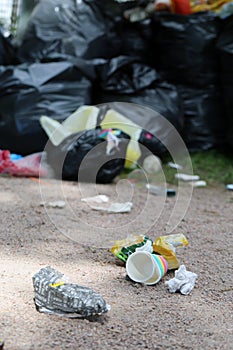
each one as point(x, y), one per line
point(136, 38)
point(85, 28)
point(124, 79)
point(124, 74)
point(225, 46)
point(29, 91)
point(184, 48)
point(7, 50)
point(82, 157)
point(129, 4)
point(204, 122)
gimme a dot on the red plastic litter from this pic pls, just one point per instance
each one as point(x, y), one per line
point(26, 166)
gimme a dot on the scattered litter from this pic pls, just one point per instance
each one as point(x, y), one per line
point(147, 268)
point(56, 204)
point(147, 247)
point(229, 187)
point(22, 166)
point(200, 183)
point(123, 248)
point(96, 199)
point(54, 296)
point(14, 156)
point(152, 164)
point(175, 165)
point(166, 246)
point(112, 142)
point(226, 10)
point(163, 245)
point(84, 118)
point(156, 190)
point(183, 281)
point(171, 192)
point(186, 177)
point(116, 207)
point(1, 344)
point(160, 191)
point(135, 14)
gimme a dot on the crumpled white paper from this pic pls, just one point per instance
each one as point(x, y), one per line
point(200, 183)
point(112, 143)
point(187, 177)
point(183, 281)
point(101, 198)
point(115, 207)
point(55, 204)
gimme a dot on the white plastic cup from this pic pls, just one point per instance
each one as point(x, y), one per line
point(147, 268)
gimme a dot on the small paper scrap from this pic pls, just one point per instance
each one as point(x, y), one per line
point(186, 177)
point(174, 165)
point(101, 198)
point(183, 281)
point(200, 183)
point(116, 207)
point(55, 204)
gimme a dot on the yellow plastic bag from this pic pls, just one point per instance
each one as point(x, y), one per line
point(166, 246)
point(207, 5)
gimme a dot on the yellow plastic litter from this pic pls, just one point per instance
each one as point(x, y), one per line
point(84, 118)
point(166, 246)
point(207, 5)
point(54, 130)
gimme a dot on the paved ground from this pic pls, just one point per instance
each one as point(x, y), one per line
point(141, 317)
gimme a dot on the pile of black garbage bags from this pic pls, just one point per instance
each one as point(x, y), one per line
point(85, 52)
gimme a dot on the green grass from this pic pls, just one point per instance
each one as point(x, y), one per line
point(212, 166)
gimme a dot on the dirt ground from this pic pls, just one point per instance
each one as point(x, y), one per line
point(76, 240)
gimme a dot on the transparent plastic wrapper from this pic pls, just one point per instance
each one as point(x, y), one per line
point(122, 249)
point(55, 296)
point(166, 246)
